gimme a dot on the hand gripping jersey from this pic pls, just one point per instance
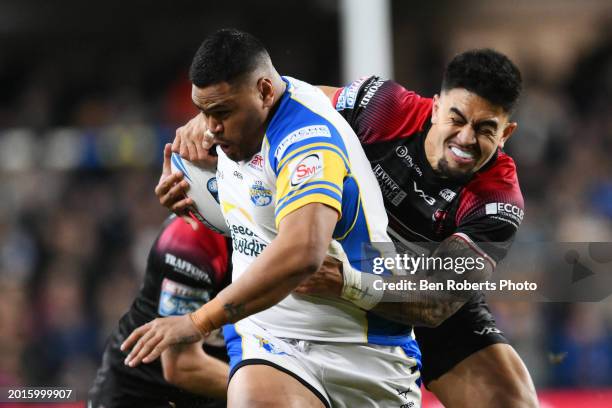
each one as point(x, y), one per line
point(309, 155)
point(391, 123)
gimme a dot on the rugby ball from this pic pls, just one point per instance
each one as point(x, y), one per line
point(204, 193)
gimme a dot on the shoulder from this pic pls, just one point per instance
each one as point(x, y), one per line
point(304, 118)
point(494, 190)
point(381, 110)
point(499, 177)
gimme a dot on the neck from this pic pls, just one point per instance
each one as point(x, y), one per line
point(279, 90)
point(430, 150)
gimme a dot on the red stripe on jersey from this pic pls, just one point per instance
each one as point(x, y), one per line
point(391, 113)
point(498, 183)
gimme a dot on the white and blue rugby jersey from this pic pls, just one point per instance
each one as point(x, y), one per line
point(309, 155)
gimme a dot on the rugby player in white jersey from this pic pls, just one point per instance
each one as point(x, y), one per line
point(291, 177)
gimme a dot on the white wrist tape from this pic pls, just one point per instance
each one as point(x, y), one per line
point(358, 287)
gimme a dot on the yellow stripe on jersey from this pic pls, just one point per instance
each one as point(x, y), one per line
point(314, 176)
point(300, 149)
point(310, 198)
point(307, 187)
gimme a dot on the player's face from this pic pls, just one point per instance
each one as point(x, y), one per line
point(236, 115)
point(466, 131)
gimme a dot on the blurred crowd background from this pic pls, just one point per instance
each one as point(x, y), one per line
point(90, 92)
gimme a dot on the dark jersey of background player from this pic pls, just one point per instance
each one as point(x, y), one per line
point(185, 269)
point(424, 208)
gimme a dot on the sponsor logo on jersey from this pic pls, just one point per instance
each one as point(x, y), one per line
point(402, 152)
point(306, 169)
point(447, 194)
point(186, 268)
point(428, 199)
point(348, 95)
point(260, 195)
point(238, 175)
point(388, 186)
point(488, 330)
point(505, 211)
point(304, 133)
point(213, 189)
point(257, 162)
point(177, 299)
point(372, 89)
point(246, 241)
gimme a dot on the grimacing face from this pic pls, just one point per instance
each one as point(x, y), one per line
point(466, 131)
point(236, 113)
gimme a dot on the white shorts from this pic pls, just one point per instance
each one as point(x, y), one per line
point(340, 374)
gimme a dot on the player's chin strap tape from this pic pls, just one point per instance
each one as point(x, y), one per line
point(358, 287)
point(209, 317)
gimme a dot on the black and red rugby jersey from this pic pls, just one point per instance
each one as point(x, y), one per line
point(185, 269)
point(392, 123)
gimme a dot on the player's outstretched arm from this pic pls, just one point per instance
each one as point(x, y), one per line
point(414, 307)
point(187, 366)
point(297, 251)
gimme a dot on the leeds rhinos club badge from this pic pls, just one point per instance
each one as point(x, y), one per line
point(260, 195)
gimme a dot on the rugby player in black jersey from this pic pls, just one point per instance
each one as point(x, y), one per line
point(449, 188)
point(187, 266)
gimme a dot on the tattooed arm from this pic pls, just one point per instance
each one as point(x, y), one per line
point(416, 307)
point(431, 307)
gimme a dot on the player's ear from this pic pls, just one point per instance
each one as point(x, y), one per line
point(435, 109)
point(508, 131)
point(266, 91)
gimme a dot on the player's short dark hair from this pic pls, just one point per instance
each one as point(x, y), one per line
point(487, 73)
point(225, 56)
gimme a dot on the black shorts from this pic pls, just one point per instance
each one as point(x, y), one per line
point(117, 386)
point(469, 330)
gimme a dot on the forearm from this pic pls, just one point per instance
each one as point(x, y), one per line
point(190, 368)
point(269, 279)
point(425, 314)
point(402, 297)
point(297, 252)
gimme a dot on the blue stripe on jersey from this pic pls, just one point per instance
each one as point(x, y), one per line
point(233, 344)
point(321, 190)
point(385, 332)
point(351, 203)
point(412, 350)
point(308, 184)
